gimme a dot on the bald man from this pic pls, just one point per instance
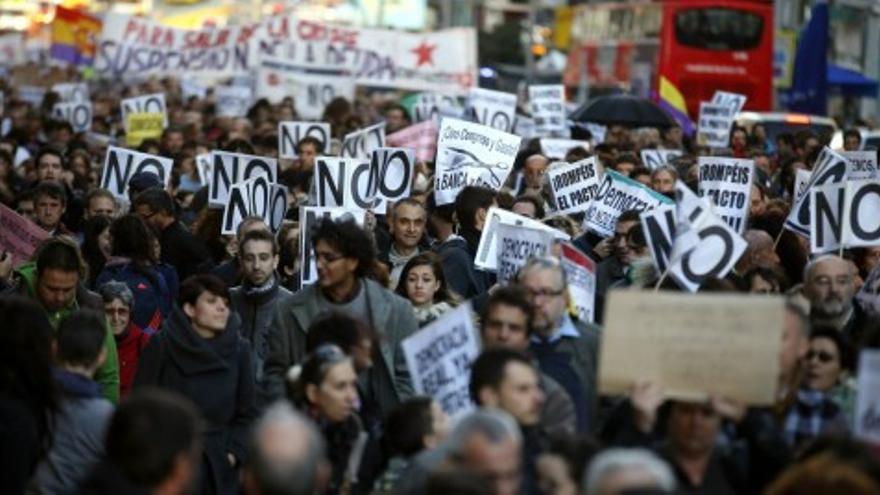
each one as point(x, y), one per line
point(530, 178)
point(829, 284)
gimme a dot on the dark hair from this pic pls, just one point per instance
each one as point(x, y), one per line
point(194, 286)
point(315, 368)
point(397, 106)
point(630, 216)
point(52, 189)
point(445, 212)
point(80, 338)
point(99, 193)
point(25, 361)
point(772, 275)
point(489, 368)
point(534, 201)
point(469, 200)
point(49, 150)
point(406, 426)
point(258, 235)
point(132, 239)
point(852, 133)
point(347, 237)
point(59, 253)
point(636, 236)
point(156, 199)
point(150, 429)
point(443, 294)
point(91, 251)
point(317, 143)
point(509, 295)
point(844, 350)
point(409, 202)
point(626, 158)
point(640, 171)
point(338, 329)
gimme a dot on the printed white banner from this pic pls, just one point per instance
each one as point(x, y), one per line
point(255, 197)
point(366, 185)
point(658, 158)
point(439, 359)
point(547, 103)
point(734, 101)
point(78, 114)
point(728, 182)
point(516, 245)
point(291, 133)
point(278, 79)
point(495, 109)
point(558, 148)
point(826, 217)
point(715, 123)
point(362, 143)
point(617, 194)
point(862, 164)
point(574, 184)
point(487, 250)
point(580, 272)
point(71, 92)
point(121, 164)
point(154, 103)
point(232, 101)
point(232, 168)
point(829, 168)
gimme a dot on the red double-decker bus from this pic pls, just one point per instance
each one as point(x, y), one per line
point(699, 46)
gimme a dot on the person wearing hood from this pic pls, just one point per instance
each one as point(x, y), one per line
point(255, 299)
point(200, 354)
point(133, 262)
point(55, 282)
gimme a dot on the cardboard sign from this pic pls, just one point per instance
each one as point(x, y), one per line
point(487, 251)
point(826, 219)
point(728, 183)
point(580, 272)
point(255, 197)
point(154, 103)
point(704, 246)
point(861, 226)
point(516, 245)
point(232, 101)
point(291, 133)
point(308, 217)
point(278, 79)
point(72, 92)
point(558, 147)
point(18, 235)
point(617, 194)
point(653, 159)
point(714, 125)
point(421, 137)
point(734, 101)
point(862, 164)
point(366, 185)
point(121, 164)
point(362, 143)
point(494, 109)
point(142, 126)
point(439, 359)
point(658, 225)
point(829, 168)
point(867, 414)
point(78, 114)
point(547, 103)
point(471, 154)
point(233, 168)
point(694, 345)
point(574, 185)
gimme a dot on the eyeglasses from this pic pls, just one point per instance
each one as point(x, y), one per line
point(823, 356)
point(545, 292)
point(327, 257)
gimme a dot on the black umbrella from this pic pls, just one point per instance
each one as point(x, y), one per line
point(626, 110)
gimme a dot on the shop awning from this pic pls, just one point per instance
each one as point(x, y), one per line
point(850, 83)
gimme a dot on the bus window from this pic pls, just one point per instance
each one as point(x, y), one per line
point(718, 28)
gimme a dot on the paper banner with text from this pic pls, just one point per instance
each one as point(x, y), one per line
point(434, 106)
point(516, 245)
point(233, 168)
point(309, 216)
point(801, 179)
point(728, 183)
point(862, 164)
point(291, 133)
point(617, 194)
point(693, 345)
point(71, 92)
point(487, 250)
point(232, 101)
point(140, 126)
point(867, 413)
point(580, 272)
point(844, 214)
point(439, 358)
point(574, 185)
point(18, 236)
point(829, 168)
point(547, 103)
point(364, 184)
point(254, 197)
point(154, 103)
point(278, 79)
point(714, 126)
point(734, 101)
point(421, 137)
point(558, 147)
point(121, 164)
point(471, 154)
point(652, 159)
point(78, 114)
point(362, 143)
point(495, 109)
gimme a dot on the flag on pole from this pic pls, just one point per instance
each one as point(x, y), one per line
point(73, 36)
point(809, 88)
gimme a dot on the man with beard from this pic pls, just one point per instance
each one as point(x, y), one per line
point(828, 284)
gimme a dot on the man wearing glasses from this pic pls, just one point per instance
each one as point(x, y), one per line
point(345, 257)
point(566, 349)
point(829, 285)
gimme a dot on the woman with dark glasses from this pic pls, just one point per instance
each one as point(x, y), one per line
point(825, 396)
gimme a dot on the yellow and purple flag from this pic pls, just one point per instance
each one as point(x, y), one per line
point(671, 100)
point(74, 36)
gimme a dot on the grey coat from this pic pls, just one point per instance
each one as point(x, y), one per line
point(257, 315)
point(391, 317)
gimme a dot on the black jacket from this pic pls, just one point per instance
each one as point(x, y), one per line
point(182, 250)
point(217, 376)
point(458, 267)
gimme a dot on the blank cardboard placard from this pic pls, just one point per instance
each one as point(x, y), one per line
point(694, 345)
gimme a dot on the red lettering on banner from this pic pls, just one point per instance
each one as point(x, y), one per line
point(245, 33)
point(131, 27)
point(278, 30)
point(312, 31)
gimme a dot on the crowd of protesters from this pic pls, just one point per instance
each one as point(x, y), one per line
point(141, 351)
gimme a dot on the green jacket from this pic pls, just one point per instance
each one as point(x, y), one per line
point(107, 375)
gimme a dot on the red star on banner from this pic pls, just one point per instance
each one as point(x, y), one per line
point(425, 53)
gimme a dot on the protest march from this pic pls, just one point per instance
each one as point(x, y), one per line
point(299, 255)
